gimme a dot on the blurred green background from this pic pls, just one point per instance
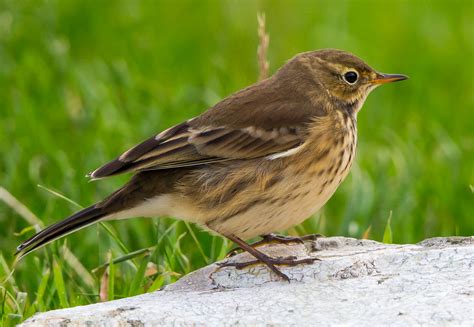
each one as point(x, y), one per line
point(81, 81)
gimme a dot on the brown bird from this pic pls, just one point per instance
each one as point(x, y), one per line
point(260, 161)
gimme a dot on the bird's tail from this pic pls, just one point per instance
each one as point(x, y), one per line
point(75, 222)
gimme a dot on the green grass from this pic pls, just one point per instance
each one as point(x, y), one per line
point(81, 81)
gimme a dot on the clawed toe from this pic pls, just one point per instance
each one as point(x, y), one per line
point(287, 261)
point(275, 238)
point(311, 237)
point(292, 261)
point(238, 265)
point(270, 262)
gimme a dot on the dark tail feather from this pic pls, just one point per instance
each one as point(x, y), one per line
point(77, 221)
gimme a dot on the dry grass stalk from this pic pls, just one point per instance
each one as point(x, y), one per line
point(20, 209)
point(75, 264)
point(264, 39)
point(104, 287)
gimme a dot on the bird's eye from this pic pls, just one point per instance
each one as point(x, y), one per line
point(351, 77)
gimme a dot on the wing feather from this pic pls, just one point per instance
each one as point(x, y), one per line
point(193, 147)
point(258, 121)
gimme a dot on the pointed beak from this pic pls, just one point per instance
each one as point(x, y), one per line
point(388, 78)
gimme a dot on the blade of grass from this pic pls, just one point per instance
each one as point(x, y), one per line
point(157, 283)
point(76, 265)
point(4, 299)
point(41, 289)
point(387, 234)
point(59, 283)
point(176, 254)
point(21, 298)
point(366, 234)
point(98, 271)
point(198, 245)
point(160, 280)
point(111, 286)
point(13, 319)
point(139, 276)
point(114, 236)
point(224, 248)
point(59, 195)
point(10, 298)
point(8, 273)
point(20, 208)
point(25, 231)
point(74, 283)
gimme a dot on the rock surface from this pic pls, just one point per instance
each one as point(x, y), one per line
point(357, 282)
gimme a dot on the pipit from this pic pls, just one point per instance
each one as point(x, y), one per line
point(260, 161)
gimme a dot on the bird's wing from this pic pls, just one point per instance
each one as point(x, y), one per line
point(255, 122)
point(184, 146)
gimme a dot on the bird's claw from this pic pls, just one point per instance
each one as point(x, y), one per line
point(270, 262)
point(275, 238)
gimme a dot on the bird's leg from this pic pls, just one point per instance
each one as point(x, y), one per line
point(263, 258)
point(275, 238)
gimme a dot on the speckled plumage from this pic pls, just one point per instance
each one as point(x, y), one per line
point(255, 197)
point(260, 161)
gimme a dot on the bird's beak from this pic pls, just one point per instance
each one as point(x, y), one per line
point(388, 78)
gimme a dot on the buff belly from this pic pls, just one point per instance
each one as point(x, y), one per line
point(277, 212)
point(298, 195)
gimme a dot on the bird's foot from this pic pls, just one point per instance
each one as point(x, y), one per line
point(275, 238)
point(271, 262)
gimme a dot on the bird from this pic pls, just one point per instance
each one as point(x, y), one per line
point(260, 161)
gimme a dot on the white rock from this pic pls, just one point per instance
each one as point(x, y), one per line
point(357, 283)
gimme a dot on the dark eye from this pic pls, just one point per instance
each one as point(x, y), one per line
point(351, 77)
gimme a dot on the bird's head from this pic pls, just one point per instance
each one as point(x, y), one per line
point(340, 76)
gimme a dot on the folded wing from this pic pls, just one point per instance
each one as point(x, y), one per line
point(258, 121)
point(184, 146)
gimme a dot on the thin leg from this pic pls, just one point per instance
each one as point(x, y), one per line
point(263, 258)
point(275, 238)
